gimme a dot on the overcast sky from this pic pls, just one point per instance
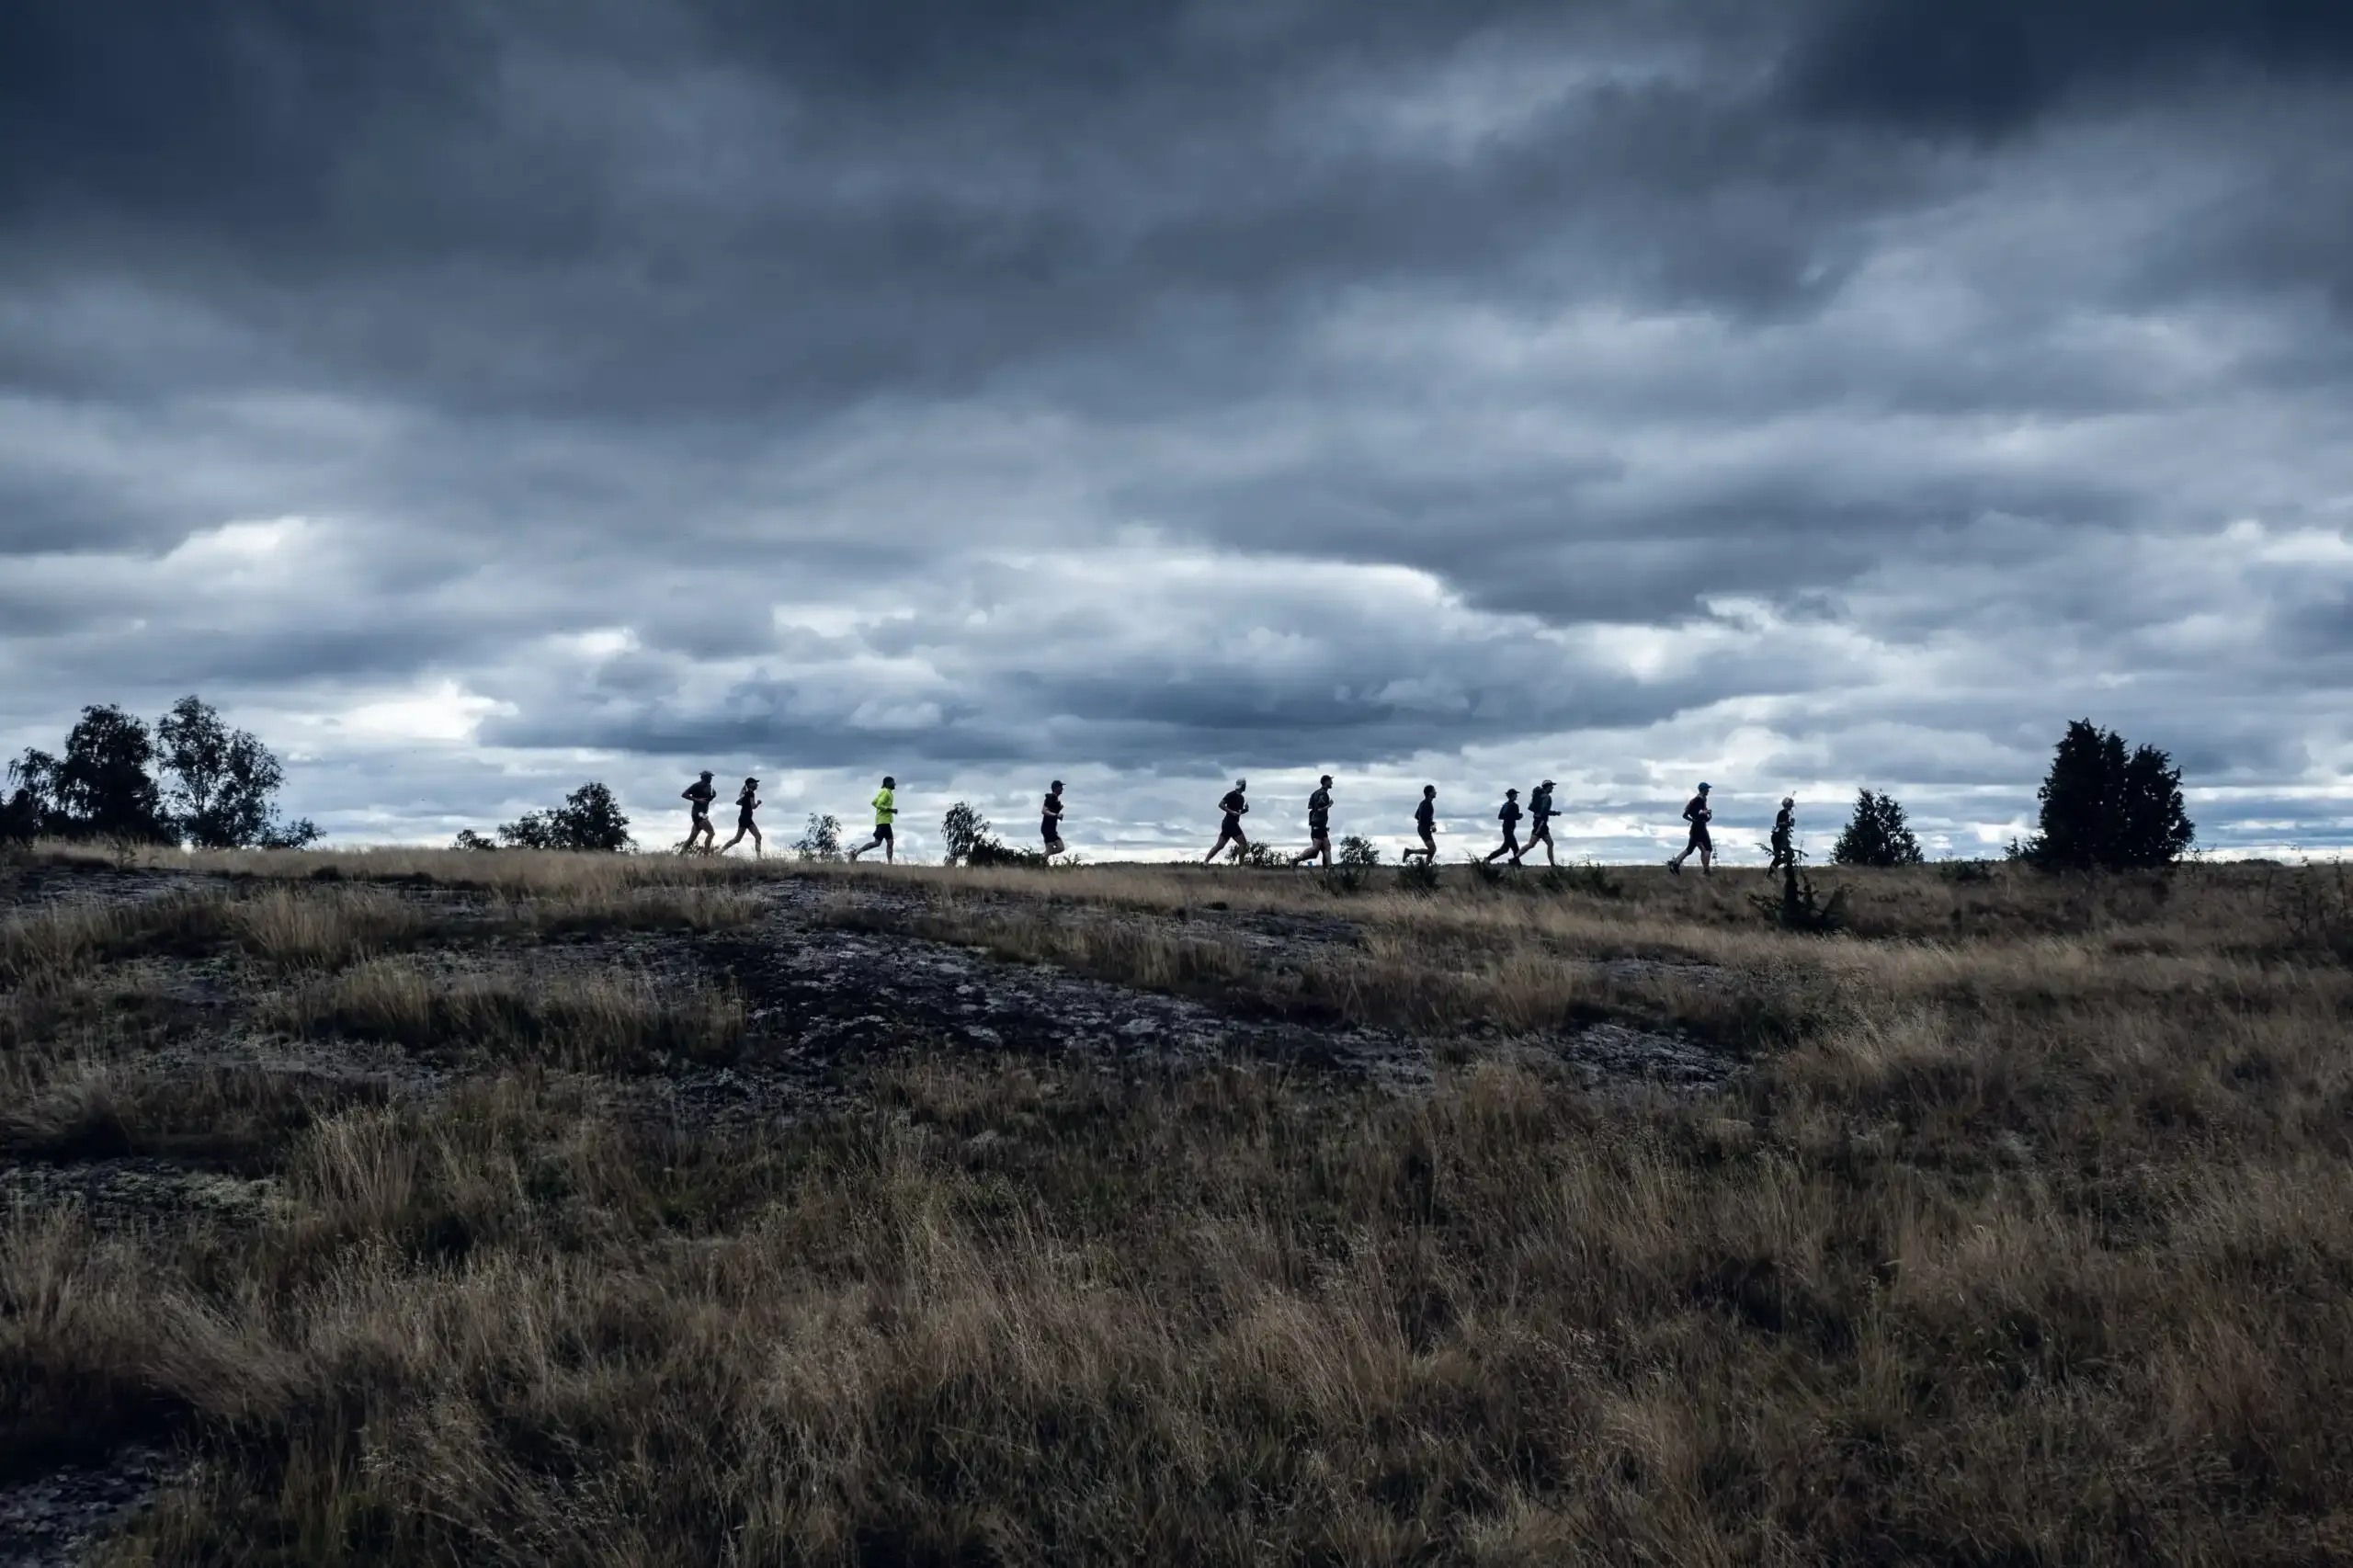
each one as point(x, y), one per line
point(477, 398)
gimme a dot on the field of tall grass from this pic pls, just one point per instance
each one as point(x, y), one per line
point(2024, 1236)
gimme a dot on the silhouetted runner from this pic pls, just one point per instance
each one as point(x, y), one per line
point(1539, 823)
point(1050, 825)
point(886, 806)
point(1319, 827)
point(747, 801)
point(1784, 823)
point(698, 796)
point(1509, 817)
point(1229, 830)
point(1697, 813)
point(1426, 825)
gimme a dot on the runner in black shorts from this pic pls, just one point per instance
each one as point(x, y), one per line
point(698, 796)
point(1509, 817)
point(1697, 813)
point(746, 802)
point(886, 807)
point(1319, 827)
point(1050, 825)
point(1234, 804)
point(1539, 823)
point(1426, 825)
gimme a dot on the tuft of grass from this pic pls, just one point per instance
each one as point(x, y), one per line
point(588, 912)
point(97, 1108)
point(50, 948)
point(322, 928)
point(591, 1022)
point(1418, 877)
point(285, 928)
point(325, 923)
point(1588, 877)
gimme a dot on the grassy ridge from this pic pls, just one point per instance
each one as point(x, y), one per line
point(2029, 1237)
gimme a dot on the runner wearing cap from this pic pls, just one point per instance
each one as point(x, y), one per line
point(1319, 827)
point(1233, 805)
point(1509, 817)
point(1050, 823)
point(886, 807)
point(1539, 823)
point(1697, 813)
point(698, 796)
point(747, 801)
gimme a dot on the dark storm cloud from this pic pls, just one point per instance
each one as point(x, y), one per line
point(1120, 722)
point(1369, 664)
point(1172, 382)
point(641, 214)
point(1992, 66)
point(217, 114)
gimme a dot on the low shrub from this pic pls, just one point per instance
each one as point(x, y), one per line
point(1589, 878)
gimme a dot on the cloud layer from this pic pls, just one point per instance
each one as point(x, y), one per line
point(482, 399)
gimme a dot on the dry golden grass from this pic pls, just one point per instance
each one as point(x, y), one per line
point(1430, 977)
point(322, 928)
point(1533, 956)
point(602, 1021)
point(1203, 1324)
point(2026, 1238)
point(571, 910)
point(519, 873)
point(51, 947)
point(93, 1103)
point(298, 923)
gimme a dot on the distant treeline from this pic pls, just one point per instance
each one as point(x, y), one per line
point(2104, 807)
point(187, 779)
point(590, 819)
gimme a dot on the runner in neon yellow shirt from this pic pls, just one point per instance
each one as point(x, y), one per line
point(886, 806)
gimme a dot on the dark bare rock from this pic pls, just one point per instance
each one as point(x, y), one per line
point(820, 998)
point(53, 1519)
point(824, 1004)
point(129, 1193)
